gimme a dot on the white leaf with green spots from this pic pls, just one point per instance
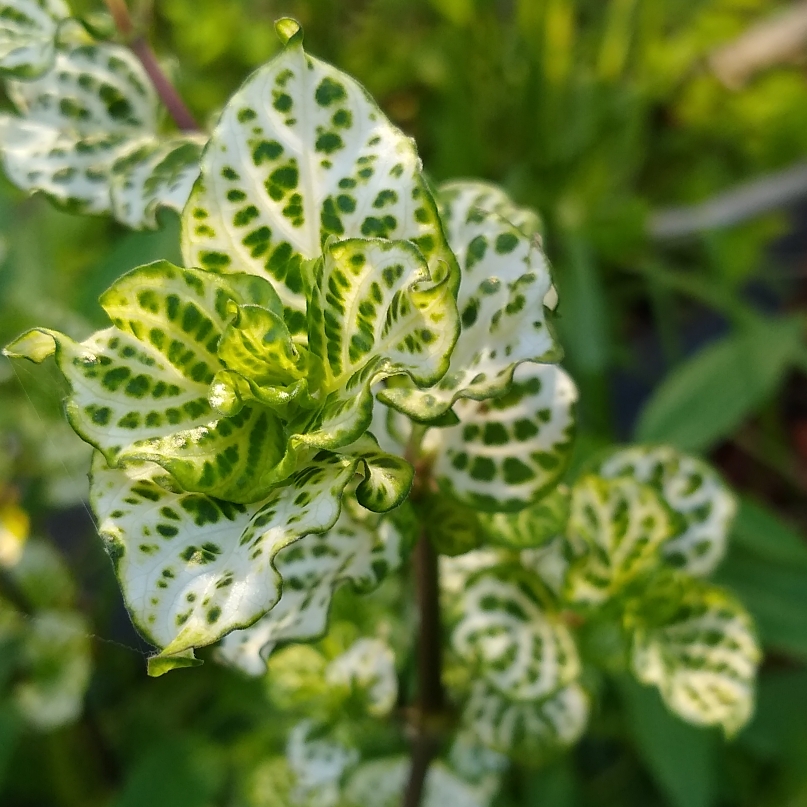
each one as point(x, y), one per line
point(192, 568)
point(505, 278)
point(28, 30)
point(703, 659)
point(518, 647)
point(86, 136)
point(368, 666)
point(373, 312)
point(618, 526)
point(508, 451)
point(381, 783)
point(74, 122)
point(139, 390)
point(318, 765)
point(301, 153)
point(526, 730)
point(153, 175)
point(531, 527)
point(54, 669)
point(360, 548)
point(693, 490)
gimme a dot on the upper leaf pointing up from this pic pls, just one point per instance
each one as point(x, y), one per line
point(300, 153)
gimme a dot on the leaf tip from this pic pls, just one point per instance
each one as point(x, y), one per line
point(289, 31)
point(161, 664)
point(35, 345)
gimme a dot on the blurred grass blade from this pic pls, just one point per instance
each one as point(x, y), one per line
point(680, 758)
point(708, 396)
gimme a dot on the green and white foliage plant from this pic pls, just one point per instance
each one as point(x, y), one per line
point(351, 363)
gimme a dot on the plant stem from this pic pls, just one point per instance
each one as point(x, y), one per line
point(431, 697)
point(141, 48)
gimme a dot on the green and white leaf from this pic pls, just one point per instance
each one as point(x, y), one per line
point(28, 30)
point(318, 765)
point(381, 783)
point(550, 562)
point(301, 153)
point(691, 488)
point(54, 669)
point(360, 548)
point(505, 278)
point(86, 136)
point(509, 451)
point(139, 390)
point(531, 527)
point(464, 202)
point(368, 666)
point(157, 173)
point(374, 311)
point(518, 647)
point(527, 730)
point(619, 526)
point(75, 122)
point(192, 568)
point(703, 659)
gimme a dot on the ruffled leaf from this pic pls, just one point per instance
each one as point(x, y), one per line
point(86, 136)
point(301, 153)
point(193, 568)
point(368, 666)
point(360, 548)
point(703, 659)
point(618, 526)
point(139, 390)
point(154, 175)
point(28, 30)
point(531, 527)
point(526, 730)
point(505, 279)
point(507, 452)
point(373, 313)
point(693, 490)
point(382, 782)
point(516, 645)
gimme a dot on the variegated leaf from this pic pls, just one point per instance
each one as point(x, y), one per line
point(703, 659)
point(139, 390)
point(619, 526)
point(360, 548)
point(527, 730)
point(691, 488)
point(368, 665)
point(76, 120)
point(518, 647)
point(28, 30)
point(507, 452)
point(54, 669)
point(381, 783)
point(86, 135)
point(193, 568)
point(156, 173)
point(464, 202)
point(505, 278)
point(318, 765)
point(373, 312)
point(531, 527)
point(301, 153)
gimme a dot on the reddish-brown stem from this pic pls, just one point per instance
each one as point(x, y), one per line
point(141, 48)
point(431, 699)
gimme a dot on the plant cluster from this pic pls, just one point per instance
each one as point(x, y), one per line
point(352, 364)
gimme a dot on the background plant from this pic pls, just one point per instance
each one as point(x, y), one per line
point(783, 631)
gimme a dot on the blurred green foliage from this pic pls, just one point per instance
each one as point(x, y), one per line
point(594, 112)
